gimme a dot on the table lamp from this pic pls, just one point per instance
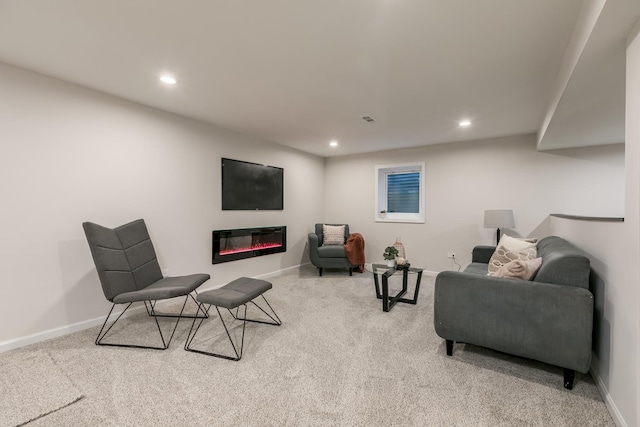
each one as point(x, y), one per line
point(501, 218)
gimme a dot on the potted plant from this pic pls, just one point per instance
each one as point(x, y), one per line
point(390, 254)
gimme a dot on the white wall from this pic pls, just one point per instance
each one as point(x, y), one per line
point(70, 155)
point(463, 179)
point(614, 250)
point(632, 135)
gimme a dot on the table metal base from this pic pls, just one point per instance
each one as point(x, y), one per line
point(389, 301)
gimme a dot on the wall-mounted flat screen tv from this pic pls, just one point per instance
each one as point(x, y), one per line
point(251, 186)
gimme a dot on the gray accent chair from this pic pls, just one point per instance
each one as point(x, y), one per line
point(129, 272)
point(549, 319)
point(331, 256)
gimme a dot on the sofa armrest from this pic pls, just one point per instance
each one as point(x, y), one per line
point(541, 321)
point(313, 248)
point(482, 254)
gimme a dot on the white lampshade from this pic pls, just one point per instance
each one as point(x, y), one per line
point(501, 218)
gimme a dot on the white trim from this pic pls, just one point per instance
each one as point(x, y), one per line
point(380, 187)
point(278, 272)
point(400, 219)
point(608, 400)
point(60, 331)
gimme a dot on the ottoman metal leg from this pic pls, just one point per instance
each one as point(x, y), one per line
point(275, 321)
point(190, 337)
point(237, 349)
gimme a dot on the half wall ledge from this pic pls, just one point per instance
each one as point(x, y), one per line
point(590, 218)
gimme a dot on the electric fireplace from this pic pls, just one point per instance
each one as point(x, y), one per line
point(241, 243)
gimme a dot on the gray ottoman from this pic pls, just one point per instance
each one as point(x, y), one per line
point(231, 296)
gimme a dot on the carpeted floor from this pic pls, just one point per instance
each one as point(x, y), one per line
point(336, 360)
point(32, 387)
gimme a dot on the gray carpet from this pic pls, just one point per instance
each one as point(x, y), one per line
point(32, 386)
point(336, 360)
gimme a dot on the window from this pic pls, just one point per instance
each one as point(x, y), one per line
point(400, 193)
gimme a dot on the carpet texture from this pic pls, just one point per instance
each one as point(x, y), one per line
point(337, 359)
point(32, 386)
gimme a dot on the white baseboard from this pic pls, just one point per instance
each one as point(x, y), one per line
point(62, 330)
point(86, 324)
point(277, 272)
point(611, 405)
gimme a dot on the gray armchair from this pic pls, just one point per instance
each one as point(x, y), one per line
point(129, 271)
point(328, 256)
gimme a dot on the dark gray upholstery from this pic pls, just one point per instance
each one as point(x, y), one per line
point(165, 288)
point(477, 268)
point(235, 293)
point(562, 263)
point(129, 271)
point(330, 256)
point(549, 319)
point(128, 268)
point(482, 254)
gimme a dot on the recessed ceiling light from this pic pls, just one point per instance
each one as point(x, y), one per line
point(168, 80)
point(333, 143)
point(465, 123)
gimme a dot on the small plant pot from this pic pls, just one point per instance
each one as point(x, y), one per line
point(391, 263)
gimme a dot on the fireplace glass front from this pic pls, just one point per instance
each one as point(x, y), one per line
point(235, 244)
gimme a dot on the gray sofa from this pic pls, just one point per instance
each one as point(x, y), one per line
point(549, 319)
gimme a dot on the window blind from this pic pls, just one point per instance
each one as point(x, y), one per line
point(403, 192)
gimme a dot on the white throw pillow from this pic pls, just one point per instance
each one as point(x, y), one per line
point(512, 249)
point(332, 235)
point(517, 269)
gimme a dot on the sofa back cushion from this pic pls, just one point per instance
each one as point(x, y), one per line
point(562, 263)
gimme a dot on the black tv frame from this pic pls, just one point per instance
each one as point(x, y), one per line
point(245, 191)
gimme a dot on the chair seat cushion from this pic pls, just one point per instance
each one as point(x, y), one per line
point(332, 251)
point(235, 293)
point(167, 287)
point(477, 268)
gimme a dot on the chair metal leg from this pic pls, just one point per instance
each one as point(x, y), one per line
point(151, 309)
point(99, 337)
point(165, 344)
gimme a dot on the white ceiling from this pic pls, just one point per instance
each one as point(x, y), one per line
point(304, 72)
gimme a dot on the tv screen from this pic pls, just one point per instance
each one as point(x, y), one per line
point(251, 186)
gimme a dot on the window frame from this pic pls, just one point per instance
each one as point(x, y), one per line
point(381, 172)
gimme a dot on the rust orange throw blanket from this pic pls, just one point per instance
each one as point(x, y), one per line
point(354, 248)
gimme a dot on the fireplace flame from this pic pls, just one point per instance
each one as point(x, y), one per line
point(249, 249)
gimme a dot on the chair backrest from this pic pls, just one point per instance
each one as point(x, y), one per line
point(320, 233)
point(124, 257)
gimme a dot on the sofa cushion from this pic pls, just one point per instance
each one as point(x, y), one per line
point(332, 235)
point(511, 249)
point(476, 268)
point(518, 269)
point(332, 251)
